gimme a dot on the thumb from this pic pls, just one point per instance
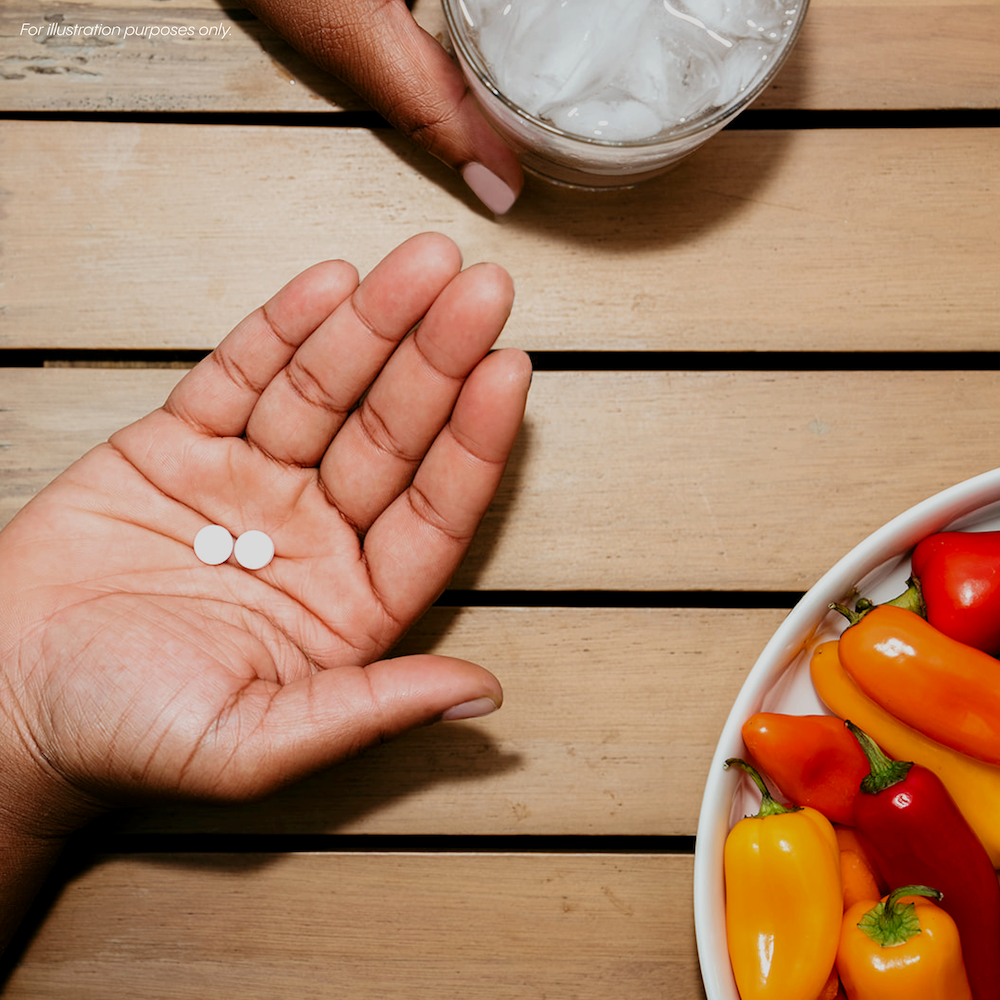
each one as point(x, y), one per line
point(334, 714)
point(380, 51)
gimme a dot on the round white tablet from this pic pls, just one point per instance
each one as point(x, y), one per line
point(254, 549)
point(213, 544)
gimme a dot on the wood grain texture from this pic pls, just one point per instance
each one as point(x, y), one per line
point(891, 56)
point(360, 926)
point(223, 60)
point(609, 723)
point(673, 480)
point(164, 236)
point(850, 55)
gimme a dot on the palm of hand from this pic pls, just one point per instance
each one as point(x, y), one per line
point(138, 669)
point(186, 664)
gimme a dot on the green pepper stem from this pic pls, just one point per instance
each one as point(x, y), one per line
point(888, 924)
point(853, 617)
point(884, 771)
point(769, 805)
point(912, 599)
point(913, 890)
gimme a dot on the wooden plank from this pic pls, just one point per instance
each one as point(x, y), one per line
point(905, 55)
point(676, 480)
point(609, 723)
point(806, 240)
point(365, 926)
point(891, 56)
point(202, 57)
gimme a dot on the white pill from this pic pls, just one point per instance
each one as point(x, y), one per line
point(213, 544)
point(254, 549)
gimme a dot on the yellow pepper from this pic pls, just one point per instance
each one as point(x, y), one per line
point(784, 901)
point(972, 783)
point(901, 947)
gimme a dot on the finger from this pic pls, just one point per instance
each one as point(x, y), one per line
point(382, 53)
point(218, 395)
point(333, 714)
point(373, 457)
point(407, 76)
point(305, 405)
point(413, 549)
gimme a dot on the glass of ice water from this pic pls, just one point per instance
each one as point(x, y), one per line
point(607, 93)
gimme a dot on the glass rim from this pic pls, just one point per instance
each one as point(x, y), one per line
point(471, 55)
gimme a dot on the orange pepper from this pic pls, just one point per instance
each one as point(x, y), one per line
point(973, 784)
point(848, 839)
point(857, 879)
point(902, 947)
point(812, 759)
point(859, 874)
point(942, 688)
point(783, 899)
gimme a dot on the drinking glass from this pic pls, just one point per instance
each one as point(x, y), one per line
point(591, 162)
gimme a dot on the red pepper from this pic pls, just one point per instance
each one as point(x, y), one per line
point(919, 836)
point(958, 573)
point(812, 759)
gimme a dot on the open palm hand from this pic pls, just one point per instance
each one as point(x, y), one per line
point(131, 668)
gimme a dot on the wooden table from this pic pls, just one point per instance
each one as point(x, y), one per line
point(742, 369)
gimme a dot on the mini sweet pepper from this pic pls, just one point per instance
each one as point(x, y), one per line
point(919, 837)
point(974, 785)
point(783, 899)
point(958, 573)
point(812, 759)
point(942, 688)
point(902, 947)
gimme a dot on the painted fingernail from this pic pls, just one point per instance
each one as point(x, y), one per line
point(474, 709)
point(494, 193)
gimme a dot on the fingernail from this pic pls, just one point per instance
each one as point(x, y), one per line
point(474, 709)
point(494, 193)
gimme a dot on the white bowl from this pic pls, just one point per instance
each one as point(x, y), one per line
point(779, 682)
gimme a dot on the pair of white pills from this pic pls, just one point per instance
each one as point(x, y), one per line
point(214, 545)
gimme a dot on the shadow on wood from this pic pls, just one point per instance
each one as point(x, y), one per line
point(456, 755)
